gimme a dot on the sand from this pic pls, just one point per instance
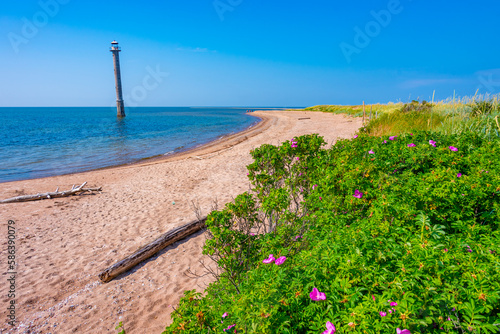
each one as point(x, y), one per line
point(62, 244)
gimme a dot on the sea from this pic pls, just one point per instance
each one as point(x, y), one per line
point(40, 142)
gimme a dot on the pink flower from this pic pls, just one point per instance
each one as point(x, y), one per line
point(320, 198)
point(315, 186)
point(316, 295)
point(392, 137)
point(411, 145)
point(330, 328)
point(459, 175)
point(371, 152)
point(373, 296)
point(385, 141)
point(269, 259)
point(280, 260)
point(358, 194)
point(355, 136)
point(432, 142)
point(390, 311)
point(297, 158)
point(224, 315)
point(454, 149)
point(411, 134)
point(403, 331)
point(229, 327)
point(445, 250)
point(394, 304)
point(382, 314)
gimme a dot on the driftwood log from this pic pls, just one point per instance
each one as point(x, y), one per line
point(151, 249)
point(55, 194)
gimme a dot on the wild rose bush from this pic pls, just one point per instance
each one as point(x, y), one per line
point(375, 235)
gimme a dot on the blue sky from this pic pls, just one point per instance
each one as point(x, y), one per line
point(246, 53)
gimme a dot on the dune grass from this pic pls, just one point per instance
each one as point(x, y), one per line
point(478, 114)
point(357, 111)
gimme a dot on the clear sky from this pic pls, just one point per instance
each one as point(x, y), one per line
point(246, 52)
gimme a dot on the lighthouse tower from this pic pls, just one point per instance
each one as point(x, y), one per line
point(115, 49)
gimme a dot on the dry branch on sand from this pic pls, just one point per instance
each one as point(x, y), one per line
point(151, 249)
point(56, 194)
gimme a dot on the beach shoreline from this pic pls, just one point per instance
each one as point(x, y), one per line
point(161, 157)
point(64, 243)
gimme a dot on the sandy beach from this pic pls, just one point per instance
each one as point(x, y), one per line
point(62, 244)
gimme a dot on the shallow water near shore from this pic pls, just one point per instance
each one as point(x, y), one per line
point(40, 142)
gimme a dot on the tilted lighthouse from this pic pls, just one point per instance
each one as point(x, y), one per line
point(115, 49)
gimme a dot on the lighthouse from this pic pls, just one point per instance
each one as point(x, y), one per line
point(115, 49)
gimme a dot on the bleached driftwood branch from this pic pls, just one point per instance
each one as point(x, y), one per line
point(151, 249)
point(56, 194)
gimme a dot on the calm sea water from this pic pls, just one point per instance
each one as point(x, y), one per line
point(39, 142)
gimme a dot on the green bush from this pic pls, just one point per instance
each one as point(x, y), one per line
point(417, 248)
point(400, 122)
point(485, 107)
point(415, 106)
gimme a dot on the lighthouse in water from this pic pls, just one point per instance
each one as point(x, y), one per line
point(115, 49)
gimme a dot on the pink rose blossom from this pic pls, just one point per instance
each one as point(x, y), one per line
point(316, 295)
point(402, 331)
point(330, 328)
point(358, 194)
point(229, 327)
point(269, 259)
point(280, 260)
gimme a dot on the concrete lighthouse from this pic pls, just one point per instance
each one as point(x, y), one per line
point(115, 49)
